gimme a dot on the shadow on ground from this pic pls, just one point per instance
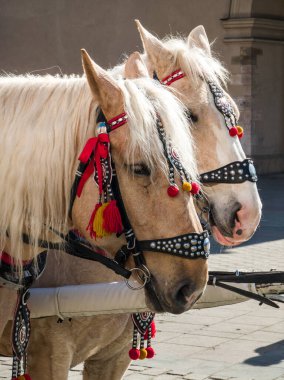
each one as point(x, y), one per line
point(268, 355)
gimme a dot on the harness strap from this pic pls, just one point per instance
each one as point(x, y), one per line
point(75, 246)
point(10, 276)
point(221, 279)
point(234, 172)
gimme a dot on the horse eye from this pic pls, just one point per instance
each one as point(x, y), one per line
point(140, 170)
point(192, 117)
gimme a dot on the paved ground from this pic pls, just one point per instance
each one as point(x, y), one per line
point(240, 342)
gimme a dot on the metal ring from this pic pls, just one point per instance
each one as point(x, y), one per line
point(143, 274)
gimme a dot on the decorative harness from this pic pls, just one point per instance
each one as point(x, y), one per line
point(110, 216)
point(96, 159)
point(234, 172)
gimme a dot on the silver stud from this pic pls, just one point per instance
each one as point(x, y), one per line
point(177, 245)
point(193, 249)
point(240, 171)
point(193, 241)
point(232, 172)
point(153, 245)
point(186, 245)
point(252, 170)
point(206, 245)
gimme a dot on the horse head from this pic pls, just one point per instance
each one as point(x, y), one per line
point(160, 212)
point(189, 68)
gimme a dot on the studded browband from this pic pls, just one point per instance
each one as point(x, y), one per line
point(234, 172)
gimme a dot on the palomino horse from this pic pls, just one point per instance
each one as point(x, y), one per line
point(189, 68)
point(143, 117)
point(103, 342)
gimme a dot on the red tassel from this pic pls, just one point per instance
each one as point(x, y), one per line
point(91, 222)
point(153, 329)
point(112, 219)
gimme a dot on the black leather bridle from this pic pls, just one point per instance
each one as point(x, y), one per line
point(234, 172)
point(190, 246)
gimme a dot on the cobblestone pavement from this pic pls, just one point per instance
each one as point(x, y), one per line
point(239, 342)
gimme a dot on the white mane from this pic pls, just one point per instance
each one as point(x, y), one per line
point(44, 123)
point(144, 100)
point(195, 62)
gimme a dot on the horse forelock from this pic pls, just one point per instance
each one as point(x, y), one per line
point(195, 62)
point(144, 100)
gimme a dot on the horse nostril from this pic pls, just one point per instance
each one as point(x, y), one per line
point(184, 293)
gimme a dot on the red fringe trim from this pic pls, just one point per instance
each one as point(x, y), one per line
point(112, 219)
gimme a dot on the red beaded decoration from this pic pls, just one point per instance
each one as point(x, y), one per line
point(195, 188)
point(173, 190)
point(233, 131)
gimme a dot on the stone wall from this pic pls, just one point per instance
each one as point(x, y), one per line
point(46, 36)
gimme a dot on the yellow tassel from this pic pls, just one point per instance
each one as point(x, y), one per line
point(186, 186)
point(98, 222)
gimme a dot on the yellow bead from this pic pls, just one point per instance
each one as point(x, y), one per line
point(186, 186)
point(240, 129)
point(143, 354)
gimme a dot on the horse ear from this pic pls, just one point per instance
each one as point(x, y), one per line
point(135, 67)
point(155, 49)
point(103, 86)
point(198, 38)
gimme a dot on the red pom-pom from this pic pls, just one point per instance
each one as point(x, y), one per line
point(111, 218)
point(195, 188)
point(240, 135)
point(233, 131)
point(134, 353)
point(150, 352)
point(27, 376)
point(173, 190)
